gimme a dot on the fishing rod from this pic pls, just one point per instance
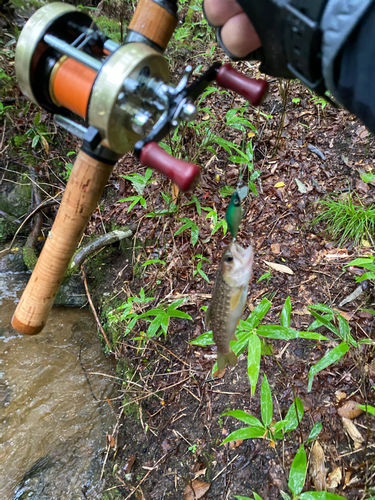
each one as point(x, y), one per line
point(116, 98)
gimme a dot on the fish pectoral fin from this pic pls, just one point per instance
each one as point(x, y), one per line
point(235, 299)
point(207, 316)
point(228, 358)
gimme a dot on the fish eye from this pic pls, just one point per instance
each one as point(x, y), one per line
point(228, 258)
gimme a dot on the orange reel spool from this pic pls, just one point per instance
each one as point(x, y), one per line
point(70, 85)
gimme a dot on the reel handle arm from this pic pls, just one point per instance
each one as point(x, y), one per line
point(184, 174)
point(252, 89)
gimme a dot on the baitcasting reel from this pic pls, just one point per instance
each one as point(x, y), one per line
point(114, 97)
point(68, 67)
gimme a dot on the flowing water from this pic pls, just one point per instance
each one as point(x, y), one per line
point(52, 429)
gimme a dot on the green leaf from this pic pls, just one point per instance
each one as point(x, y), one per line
point(279, 425)
point(154, 327)
point(203, 340)
point(244, 417)
point(183, 228)
point(285, 313)
point(266, 406)
point(226, 191)
point(264, 276)
point(257, 315)
point(370, 409)
point(322, 308)
point(35, 141)
point(315, 431)
point(239, 497)
point(328, 359)
point(297, 474)
point(366, 276)
point(204, 275)
point(154, 261)
point(284, 495)
point(320, 495)
point(253, 361)
point(324, 322)
point(194, 234)
point(245, 433)
point(291, 416)
point(345, 331)
point(284, 333)
point(179, 314)
point(372, 311)
point(361, 262)
point(367, 177)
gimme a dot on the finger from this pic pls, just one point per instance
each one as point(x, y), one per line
point(239, 36)
point(218, 12)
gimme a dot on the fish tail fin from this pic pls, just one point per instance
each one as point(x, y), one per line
point(224, 359)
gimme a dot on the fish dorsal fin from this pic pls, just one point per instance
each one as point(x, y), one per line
point(234, 301)
point(207, 316)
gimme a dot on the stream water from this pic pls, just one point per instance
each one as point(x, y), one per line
point(52, 429)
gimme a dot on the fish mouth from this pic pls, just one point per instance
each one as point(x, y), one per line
point(244, 255)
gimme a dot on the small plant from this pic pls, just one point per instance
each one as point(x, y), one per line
point(346, 221)
point(265, 276)
point(162, 316)
point(189, 224)
point(139, 181)
point(268, 428)
point(38, 133)
point(338, 325)
point(199, 270)
point(134, 200)
point(297, 478)
point(171, 207)
point(248, 333)
point(367, 263)
point(216, 224)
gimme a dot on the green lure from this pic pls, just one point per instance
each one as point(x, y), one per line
point(233, 214)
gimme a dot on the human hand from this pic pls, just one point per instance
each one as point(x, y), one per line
point(237, 33)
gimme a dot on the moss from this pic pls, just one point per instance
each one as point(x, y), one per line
point(29, 257)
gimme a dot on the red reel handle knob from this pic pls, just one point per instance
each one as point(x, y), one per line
point(185, 175)
point(250, 88)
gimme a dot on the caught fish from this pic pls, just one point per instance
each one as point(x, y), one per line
point(229, 299)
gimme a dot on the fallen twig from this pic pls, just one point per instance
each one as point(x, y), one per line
point(94, 311)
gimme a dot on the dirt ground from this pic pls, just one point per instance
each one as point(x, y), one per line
point(170, 425)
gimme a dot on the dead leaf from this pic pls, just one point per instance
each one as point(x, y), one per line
point(196, 489)
point(251, 134)
point(353, 432)
point(275, 248)
point(166, 445)
point(334, 478)
point(279, 267)
point(362, 132)
point(317, 467)
point(279, 184)
point(235, 444)
point(366, 243)
point(129, 464)
point(349, 410)
point(218, 374)
point(111, 441)
point(206, 117)
point(361, 186)
point(316, 151)
point(340, 396)
point(201, 472)
point(175, 192)
point(301, 186)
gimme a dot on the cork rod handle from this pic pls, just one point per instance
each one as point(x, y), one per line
point(84, 188)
